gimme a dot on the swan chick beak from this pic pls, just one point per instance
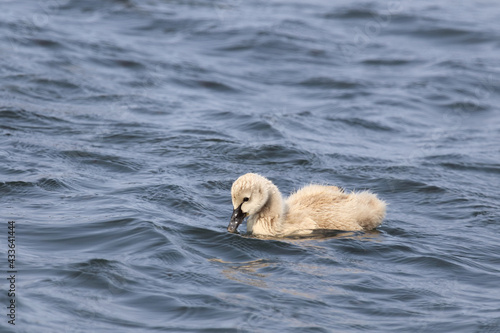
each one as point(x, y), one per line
point(236, 219)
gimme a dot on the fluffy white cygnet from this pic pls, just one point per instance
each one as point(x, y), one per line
point(310, 208)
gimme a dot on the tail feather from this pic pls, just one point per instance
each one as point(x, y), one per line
point(371, 210)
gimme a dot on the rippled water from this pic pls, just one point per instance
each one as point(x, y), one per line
point(124, 123)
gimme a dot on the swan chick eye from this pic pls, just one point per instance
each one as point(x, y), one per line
point(245, 199)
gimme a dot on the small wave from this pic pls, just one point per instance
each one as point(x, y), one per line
point(351, 13)
point(364, 123)
point(53, 185)
point(98, 160)
point(389, 62)
point(275, 154)
point(330, 83)
point(28, 117)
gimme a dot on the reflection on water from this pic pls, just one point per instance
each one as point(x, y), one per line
point(319, 234)
point(245, 272)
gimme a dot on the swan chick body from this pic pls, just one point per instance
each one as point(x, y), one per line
point(311, 208)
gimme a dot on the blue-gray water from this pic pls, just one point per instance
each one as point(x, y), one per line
point(124, 123)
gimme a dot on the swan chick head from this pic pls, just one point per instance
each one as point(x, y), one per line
point(249, 194)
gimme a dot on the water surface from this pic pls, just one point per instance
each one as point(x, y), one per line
point(123, 125)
